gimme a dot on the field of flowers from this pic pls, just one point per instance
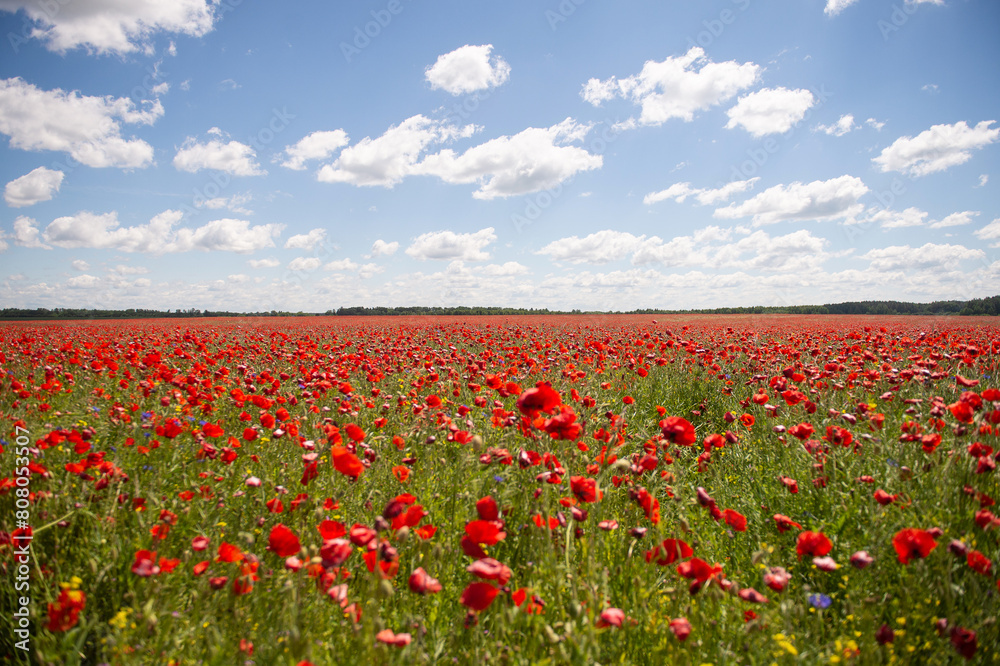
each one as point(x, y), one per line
point(507, 490)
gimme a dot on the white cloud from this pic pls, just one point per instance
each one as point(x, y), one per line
point(26, 233)
point(80, 265)
point(927, 257)
point(341, 265)
point(388, 159)
point(84, 281)
point(105, 26)
point(673, 88)
point(306, 264)
point(234, 157)
point(467, 69)
point(597, 248)
point(983, 179)
point(264, 263)
point(834, 7)
point(818, 200)
point(33, 187)
point(88, 128)
point(896, 219)
point(382, 249)
point(450, 245)
point(936, 149)
point(770, 110)
point(955, 219)
point(306, 241)
point(843, 125)
point(871, 122)
point(531, 160)
point(102, 231)
point(990, 232)
point(122, 270)
point(234, 203)
point(706, 197)
point(314, 146)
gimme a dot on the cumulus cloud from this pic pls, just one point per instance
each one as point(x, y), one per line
point(927, 257)
point(306, 241)
point(33, 187)
point(597, 248)
point(818, 200)
point(314, 146)
point(936, 149)
point(270, 262)
point(382, 249)
point(955, 219)
point(451, 245)
point(531, 160)
point(88, 128)
point(705, 196)
point(834, 7)
point(235, 158)
point(26, 233)
point(103, 231)
point(991, 232)
point(676, 87)
point(894, 219)
point(304, 264)
point(770, 111)
point(843, 125)
point(111, 26)
point(389, 158)
point(468, 69)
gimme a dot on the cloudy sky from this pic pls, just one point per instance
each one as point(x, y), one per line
point(247, 156)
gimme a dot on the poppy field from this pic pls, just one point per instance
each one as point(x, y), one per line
point(501, 490)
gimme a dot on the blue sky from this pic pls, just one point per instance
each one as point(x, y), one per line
point(585, 154)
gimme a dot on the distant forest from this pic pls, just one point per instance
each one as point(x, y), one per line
point(976, 307)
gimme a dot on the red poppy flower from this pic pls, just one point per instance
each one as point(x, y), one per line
point(335, 552)
point(784, 523)
point(478, 596)
point(488, 568)
point(563, 425)
point(698, 569)
point(145, 564)
point(752, 595)
point(681, 628)
point(610, 617)
point(228, 553)
point(735, 520)
point(912, 543)
point(777, 578)
point(802, 431)
point(487, 508)
point(678, 430)
point(346, 462)
point(814, 544)
point(354, 432)
point(331, 529)
point(421, 583)
point(65, 612)
point(584, 488)
point(964, 641)
point(979, 562)
point(387, 637)
point(283, 542)
point(199, 543)
point(669, 552)
point(542, 398)
point(884, 498)
point(484, 532)
point(200, 568)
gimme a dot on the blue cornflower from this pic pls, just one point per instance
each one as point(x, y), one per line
point(820, 601)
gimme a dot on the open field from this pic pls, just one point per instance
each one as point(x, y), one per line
point(501, 490)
